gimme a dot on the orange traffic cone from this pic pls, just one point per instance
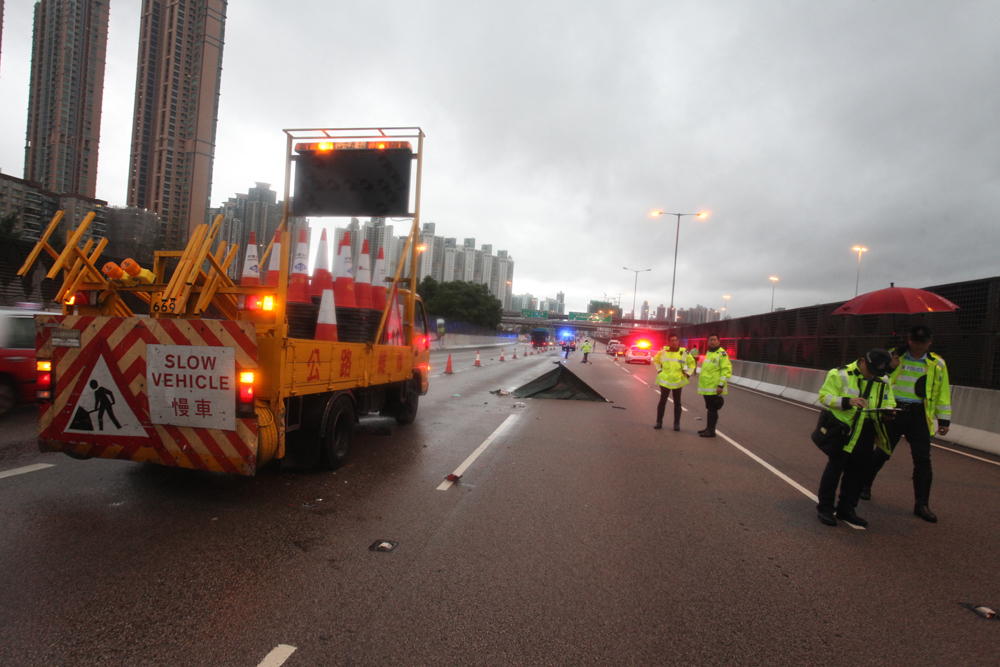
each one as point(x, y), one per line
point(326, 323)
point(251, 265)
point(322, 279)
point(343, 280)
point(515, 354)
point(477, 359)
point(378, 282)
point(298, 283)
point(447, 370)
point(501, 355)
point(274, 266)
point(363, 279)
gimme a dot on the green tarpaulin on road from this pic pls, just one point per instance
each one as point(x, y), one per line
point(560, 383)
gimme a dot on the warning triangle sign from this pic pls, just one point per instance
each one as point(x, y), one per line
point(101, 403)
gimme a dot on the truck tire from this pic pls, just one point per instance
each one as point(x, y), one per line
point(338, 434)
point(406, 411)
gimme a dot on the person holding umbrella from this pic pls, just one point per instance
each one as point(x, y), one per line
point(920, 384)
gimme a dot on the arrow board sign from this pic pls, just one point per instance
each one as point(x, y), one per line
point(192, 385)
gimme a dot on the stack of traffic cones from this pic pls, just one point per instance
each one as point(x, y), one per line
point(251, 265)
point(274, 266)
point(363, 279)
point(298, 283)
point(378, 282)
point(326, 323)
point(343, 280)
point(322, 279)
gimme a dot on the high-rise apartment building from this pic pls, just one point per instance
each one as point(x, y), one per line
point(176, 112)
point(65, 94)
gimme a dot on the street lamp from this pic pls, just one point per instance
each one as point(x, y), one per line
point(677, 241)
point(636, 286)
point(774, 280)
point(858, 249)
point(725, 304)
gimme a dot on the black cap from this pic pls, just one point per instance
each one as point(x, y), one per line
point(877, 360)
point(920, 334)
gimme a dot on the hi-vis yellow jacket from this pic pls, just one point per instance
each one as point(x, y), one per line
point(674, 366)
point(716, 369)
point(844, 383)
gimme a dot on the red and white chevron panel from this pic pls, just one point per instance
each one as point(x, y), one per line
point(101, 407)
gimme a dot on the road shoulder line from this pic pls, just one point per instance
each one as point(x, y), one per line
point(21, 471)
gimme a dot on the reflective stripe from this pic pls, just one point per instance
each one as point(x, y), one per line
point(944, 408)
point(852, 391)
point(828, 401)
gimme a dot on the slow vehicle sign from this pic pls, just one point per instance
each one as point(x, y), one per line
point(191, 385)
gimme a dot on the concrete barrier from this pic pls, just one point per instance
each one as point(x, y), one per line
point(750, 375)
point(975, 412)
point(458, 341)
point(803, 385)
point(773, 379)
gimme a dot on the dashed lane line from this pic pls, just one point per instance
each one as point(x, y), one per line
point(21, 471)
point(277, 656)
point(807, 493)
point(445, 485)
point(809, 407)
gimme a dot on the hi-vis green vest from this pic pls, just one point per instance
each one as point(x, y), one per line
point(937, 391)
point(673, 367)
point(716, 369)
point(586, 347)
point(845, 383)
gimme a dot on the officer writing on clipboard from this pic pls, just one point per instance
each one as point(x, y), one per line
point(855, 394)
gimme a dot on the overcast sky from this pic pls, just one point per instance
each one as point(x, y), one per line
point(554, 128)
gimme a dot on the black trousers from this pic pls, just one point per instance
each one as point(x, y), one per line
point(912, 423)
point(852, 466)
point(713, 403)
point(662, 405)
point(584, 357)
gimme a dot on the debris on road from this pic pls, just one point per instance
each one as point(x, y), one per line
point(500, 392)
point(520, 405)
point(453, 478)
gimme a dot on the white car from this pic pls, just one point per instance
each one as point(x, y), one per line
point(640, 354)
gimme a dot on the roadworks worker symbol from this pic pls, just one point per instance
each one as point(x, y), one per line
point(101, 408)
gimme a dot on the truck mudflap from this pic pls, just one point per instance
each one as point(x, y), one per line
point(152, 390)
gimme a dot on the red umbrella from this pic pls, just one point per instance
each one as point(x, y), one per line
point(906, 300)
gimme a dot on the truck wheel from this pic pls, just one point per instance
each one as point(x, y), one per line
point(338, 434)
point(8, 396)
point(406, 412)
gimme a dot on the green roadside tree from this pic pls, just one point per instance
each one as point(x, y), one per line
point(460, 301)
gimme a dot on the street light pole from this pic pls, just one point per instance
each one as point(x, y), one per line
point(858, 249)
point(677, 241)
point(725, 304)
point(774, 281)
point(636, 286)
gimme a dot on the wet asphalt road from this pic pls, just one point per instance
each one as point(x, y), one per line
point(580, 536)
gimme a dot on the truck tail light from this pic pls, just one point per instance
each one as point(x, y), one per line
point(244, 404)
point(43, 381)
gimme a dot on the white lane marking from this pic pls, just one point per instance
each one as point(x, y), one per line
point(445, 485)
point(21, 471)
point(955, 451)
point(277, 657)
point(641, 380)
point(809, 407)
point(807, 493)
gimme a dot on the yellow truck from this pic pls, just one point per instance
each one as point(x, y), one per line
point(225, 377)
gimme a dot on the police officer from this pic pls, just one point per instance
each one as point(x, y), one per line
point(849, 392)
point(586, 349)
point(920, 384)
point(674, 366)
point(716, 369)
